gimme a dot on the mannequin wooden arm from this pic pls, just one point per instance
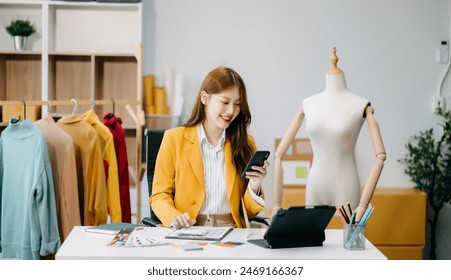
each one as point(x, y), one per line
point(376, 171)
point(284, 144)
point(375, 133)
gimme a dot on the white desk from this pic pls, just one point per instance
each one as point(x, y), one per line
point(81, 245)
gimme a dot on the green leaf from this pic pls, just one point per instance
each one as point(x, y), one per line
point(20, 27)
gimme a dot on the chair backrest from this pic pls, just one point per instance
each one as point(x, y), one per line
point(153, 142)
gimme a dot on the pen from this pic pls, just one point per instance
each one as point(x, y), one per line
point(349, 207)
point(369, 214)
point(343, 210)
point(344, 213)
point(365, 215)
point(352, 218)
point(342, 216)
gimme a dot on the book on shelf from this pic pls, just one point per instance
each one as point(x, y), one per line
point(200, 233)
point(112, 228)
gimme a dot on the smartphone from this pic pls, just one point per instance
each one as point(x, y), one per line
point(258, 159)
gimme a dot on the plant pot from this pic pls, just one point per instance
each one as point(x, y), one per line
point(20, 43)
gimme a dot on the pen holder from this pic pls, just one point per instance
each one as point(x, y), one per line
point(354, 236)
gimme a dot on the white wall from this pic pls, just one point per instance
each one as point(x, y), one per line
point(386, 48)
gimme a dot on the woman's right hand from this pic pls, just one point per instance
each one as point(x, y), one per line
point(182, 221)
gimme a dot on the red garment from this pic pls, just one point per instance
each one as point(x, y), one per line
point(115, 125)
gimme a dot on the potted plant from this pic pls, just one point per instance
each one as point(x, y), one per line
point(20, 29)
point(428, 163)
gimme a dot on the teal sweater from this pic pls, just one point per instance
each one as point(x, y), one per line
point(28, 218)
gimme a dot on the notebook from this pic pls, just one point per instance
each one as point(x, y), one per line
point(299, 226)
point(200, 233)
point(112, 228)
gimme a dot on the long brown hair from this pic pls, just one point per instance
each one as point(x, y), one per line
point(218, 80)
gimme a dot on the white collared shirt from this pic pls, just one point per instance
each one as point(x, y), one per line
point(215, 201)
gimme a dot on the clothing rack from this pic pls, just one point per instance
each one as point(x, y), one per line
point(137, 171)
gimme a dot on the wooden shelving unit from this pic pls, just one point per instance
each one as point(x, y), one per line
point(82, 50)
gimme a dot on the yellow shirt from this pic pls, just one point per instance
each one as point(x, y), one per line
point(109, 156)
point(90, 170)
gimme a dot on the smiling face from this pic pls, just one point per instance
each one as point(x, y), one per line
point(222, 104)
point(221, 108)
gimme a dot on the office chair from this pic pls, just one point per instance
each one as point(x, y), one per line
point(153, 141)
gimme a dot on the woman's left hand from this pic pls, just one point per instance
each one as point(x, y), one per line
point(256, 177)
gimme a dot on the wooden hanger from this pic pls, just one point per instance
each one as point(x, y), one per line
point(93, 103)
point(24, 109)
point(75, 105)
point(114, 105)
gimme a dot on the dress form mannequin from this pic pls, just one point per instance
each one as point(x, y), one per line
point(333, 118)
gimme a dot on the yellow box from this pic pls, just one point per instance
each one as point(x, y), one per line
point(17, 111)
point(399, 217)
point(161, 121)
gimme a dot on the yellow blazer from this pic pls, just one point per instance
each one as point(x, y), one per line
point(178, 185)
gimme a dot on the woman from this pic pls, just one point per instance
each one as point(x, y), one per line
point(197, 173)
